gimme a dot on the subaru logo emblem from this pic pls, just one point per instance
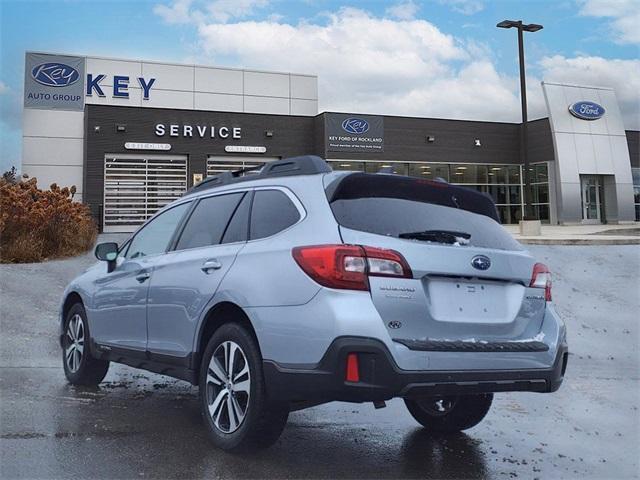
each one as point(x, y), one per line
point(480, 262)
point(586, 110)
point(55, 74)
point(357, 126)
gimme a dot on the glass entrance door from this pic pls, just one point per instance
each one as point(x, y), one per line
point(590, 199)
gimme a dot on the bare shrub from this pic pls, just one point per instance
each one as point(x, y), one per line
point(36, 224)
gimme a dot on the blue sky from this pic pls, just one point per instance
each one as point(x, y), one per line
point(425, 58)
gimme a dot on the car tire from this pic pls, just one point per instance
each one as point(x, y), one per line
point(80, 367)
point(235, 408)
point(450, 414)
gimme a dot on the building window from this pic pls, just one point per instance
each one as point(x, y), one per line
point(348, 165)
point(432, 171)
point(502, 182)
point(635, 172)
point(539, 177)
point(398, 168)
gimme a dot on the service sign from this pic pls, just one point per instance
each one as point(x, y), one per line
point(354, 133)
point(54, 82)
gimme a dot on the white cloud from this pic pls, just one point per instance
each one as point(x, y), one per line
point(4, 89)
point(178, 12)
point(466, 7)
point(622, 75)
point(224, 10)
point(373, 65)
point(625, 15)
point(370, 64)
point(403, 11)
point(188, 11)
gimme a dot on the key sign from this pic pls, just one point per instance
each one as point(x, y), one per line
point(55, 74)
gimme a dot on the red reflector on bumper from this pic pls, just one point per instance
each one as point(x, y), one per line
point(353, 372)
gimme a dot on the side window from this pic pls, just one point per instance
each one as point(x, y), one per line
point(208, 221)
point(155, 236)
point(122, 252)
point(238, 227)
point(271, 213)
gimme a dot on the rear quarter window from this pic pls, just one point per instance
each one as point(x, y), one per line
point(272, 212)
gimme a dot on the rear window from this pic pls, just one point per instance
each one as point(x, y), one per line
point(420, 210)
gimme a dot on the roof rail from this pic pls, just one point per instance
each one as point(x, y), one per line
point(303, 165)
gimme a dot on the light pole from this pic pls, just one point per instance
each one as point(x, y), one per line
point(524, 157)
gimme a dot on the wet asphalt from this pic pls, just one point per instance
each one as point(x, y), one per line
point(141, 425)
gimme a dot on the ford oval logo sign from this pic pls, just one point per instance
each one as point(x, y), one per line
point(480, 262)
point(586, 110)
point(357, 126)
point(55, 74)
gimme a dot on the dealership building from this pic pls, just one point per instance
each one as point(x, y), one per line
point(134, 135)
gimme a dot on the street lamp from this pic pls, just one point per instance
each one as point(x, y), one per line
point(524, 158)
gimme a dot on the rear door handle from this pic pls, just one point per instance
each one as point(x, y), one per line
point(142, 277)
point(211, 264)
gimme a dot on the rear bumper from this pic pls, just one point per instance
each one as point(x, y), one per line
point(382, 379)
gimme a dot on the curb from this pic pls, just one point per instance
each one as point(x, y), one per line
point(579, 241)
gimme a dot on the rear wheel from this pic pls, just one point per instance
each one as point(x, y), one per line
point(80, 367)
point(236, 411)
point(450, 413)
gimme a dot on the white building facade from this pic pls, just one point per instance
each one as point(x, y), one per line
point(54, 119)
point(593, 175)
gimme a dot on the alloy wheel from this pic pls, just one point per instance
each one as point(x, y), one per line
point(75, 343)
point(438, 406)
point(228, 387)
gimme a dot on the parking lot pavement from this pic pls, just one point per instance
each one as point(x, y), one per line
point(142, 425)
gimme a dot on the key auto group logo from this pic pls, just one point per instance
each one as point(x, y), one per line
point(55, 74)
point(355, 126)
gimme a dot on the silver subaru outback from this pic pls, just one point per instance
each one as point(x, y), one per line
point(297, 285)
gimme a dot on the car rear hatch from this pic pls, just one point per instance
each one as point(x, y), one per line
point(469, 283)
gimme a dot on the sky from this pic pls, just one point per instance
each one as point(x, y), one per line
point(430, 58)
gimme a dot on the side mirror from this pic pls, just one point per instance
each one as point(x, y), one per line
point(107, 252)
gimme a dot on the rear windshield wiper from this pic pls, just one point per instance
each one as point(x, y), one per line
point(440, 236)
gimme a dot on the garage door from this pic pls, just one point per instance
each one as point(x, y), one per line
point(217, 165)
point(137, 186)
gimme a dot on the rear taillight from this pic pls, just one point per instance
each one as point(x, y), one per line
point(349, 266)
point(353, 369)
point(541, 278)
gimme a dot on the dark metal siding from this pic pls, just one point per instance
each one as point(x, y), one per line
point(405, 139)
point(292, 135)
point(633, 141)
point(540, 141)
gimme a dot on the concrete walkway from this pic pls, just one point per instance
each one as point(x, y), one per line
point(628, 234)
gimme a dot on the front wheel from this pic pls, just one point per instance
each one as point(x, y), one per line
point(80, 367)
point(450, 413)
point(234, 405)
